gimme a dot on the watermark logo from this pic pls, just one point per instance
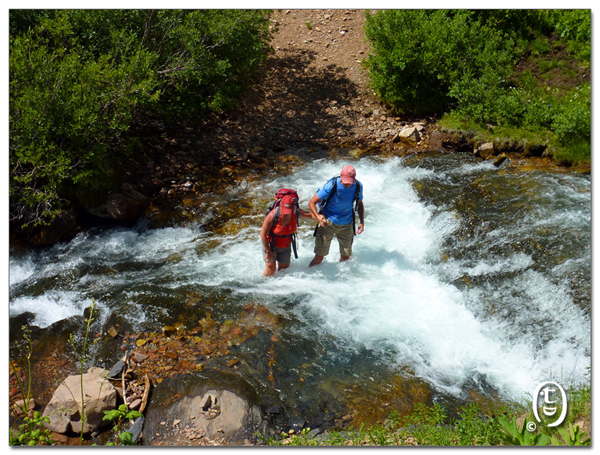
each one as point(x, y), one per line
point(550, 397)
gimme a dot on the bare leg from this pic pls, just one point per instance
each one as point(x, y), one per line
point(269, 269)
point(283, 266)
point(316, 260)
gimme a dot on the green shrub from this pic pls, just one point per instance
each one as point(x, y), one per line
point(32, 432)
point(464, 62)
point(427, 60)
point(572, 122)
point(575, 27)
point(82, 82)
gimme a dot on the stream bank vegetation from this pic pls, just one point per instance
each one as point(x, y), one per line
point(87, 85)
point(430, 425)
point(520, 76)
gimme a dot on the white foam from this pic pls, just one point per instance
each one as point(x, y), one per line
point(51, 307)
point(391, 298)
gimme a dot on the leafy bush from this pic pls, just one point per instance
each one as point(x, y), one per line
point(573, 119)
point(461, 61)
point(425, 61)
point(575, 27)
point(32, 432)
point(83, 81)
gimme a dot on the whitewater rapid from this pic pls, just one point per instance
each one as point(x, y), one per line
point(493, 317)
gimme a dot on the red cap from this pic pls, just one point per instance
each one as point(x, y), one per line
point(287, 205)
point(348, 175)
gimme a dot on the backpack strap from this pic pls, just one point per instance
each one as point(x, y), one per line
point(275, 217)
point(356, 196)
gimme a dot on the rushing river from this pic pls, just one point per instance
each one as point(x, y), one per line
point(467, 276)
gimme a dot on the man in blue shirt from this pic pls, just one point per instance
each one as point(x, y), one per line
point(337, 217)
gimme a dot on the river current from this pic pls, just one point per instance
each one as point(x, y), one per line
point(467, 277)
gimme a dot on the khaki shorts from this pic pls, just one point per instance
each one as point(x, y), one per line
point(343, 233)
point(282, 255)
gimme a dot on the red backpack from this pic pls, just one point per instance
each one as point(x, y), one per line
point(276, 206)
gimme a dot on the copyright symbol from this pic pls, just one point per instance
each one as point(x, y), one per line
point(531, 426)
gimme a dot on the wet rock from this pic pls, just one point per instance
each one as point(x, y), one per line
point(124, 206)
point(535, 149)
point(485, 150)
point(313, 433)
point(138, 357)
point(117, 370)
point(297, 424)
point(63, 227)
point(501, 159)
point(136, 428)
point(215, 413)
point(64, 408)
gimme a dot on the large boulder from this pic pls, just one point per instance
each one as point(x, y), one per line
point(64, 409)
point(200, 413)
point(126, 205)
point(485, 150)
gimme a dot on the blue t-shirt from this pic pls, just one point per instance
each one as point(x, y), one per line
point(339, 208)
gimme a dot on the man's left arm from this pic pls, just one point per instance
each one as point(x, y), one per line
point(361, 217)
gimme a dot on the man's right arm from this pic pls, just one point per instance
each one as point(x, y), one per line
point(312, 204)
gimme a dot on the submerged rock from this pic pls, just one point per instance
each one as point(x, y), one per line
point(501, 159)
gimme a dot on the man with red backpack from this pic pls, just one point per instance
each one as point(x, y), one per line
point(278, 233)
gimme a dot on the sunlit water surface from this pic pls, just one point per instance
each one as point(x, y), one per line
point(467, 276)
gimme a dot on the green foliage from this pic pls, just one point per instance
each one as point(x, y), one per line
point(436, 61)
point(575, 27)
point(474, 429)
point(119, 415)
point(571, 437)
point(429, 425)
point(426, 60)
point(579, 400)
point(82, 82)
point(32, 432)
point(512, 435)
point(573, 118)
